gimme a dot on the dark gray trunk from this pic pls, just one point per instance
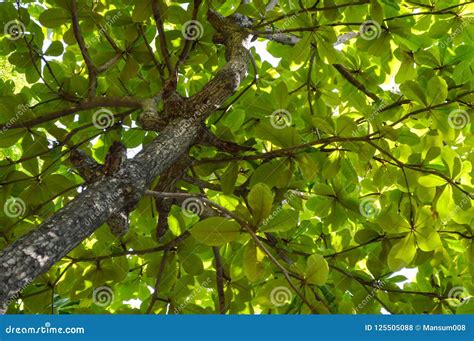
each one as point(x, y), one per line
point(35, 253)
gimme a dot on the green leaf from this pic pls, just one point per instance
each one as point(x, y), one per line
point(260, 200)
point(280, 136)
point(323, 189)
point(326, 125)
point(470, 257)
point(192, 264)
point(216, 231)
point(392, 3)
point(365, 235)
point(141, 12)
point(317, 270)
point(376, 11)
point(431, 181)
point(228, 7)
point(280, 95)
point(332, 165)
point(276, 173)
point(432, 153)
point(445, 204)
point(426, 58)
point(9, 138)
point(412, 90)
point(252, 262)
point(427, 238)
point(280, 221)
point(402, 253)
point(54, 17)
point(229, 178)
point(437, 91)
point(55, 49)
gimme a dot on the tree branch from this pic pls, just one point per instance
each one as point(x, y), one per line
point(188, 42)
point(351, 79)
point(219, 280)
point(96, 102)
point(286, 152)
point(401, 164)
point(158, 281)
point(37, 251)
point(161, 35)
point(167, 246)
point(84, 51)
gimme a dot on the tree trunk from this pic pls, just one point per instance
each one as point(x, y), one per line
point(35, 253)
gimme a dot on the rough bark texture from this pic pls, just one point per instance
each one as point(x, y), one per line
point(91, 171)
point(35, 253)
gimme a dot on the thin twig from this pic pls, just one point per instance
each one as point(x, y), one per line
point(154, 296)
point(219, 279)
point(161, 35)
point(92, 70)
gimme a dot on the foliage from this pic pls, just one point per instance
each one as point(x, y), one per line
point(360, 158)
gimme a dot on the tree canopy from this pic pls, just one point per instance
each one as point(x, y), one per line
point(275, 156)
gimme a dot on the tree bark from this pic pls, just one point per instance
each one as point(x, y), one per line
point(36, 252)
